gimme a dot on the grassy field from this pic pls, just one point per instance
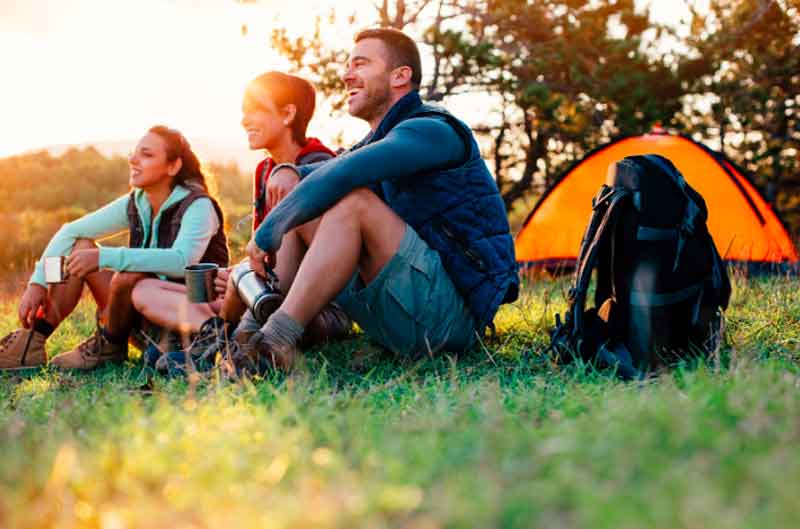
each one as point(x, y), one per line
point(500, 437)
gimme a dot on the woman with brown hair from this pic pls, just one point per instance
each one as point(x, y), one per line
point(172, 222)
point(276, 110)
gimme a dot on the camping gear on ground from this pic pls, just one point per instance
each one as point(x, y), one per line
point(745, 228)
point(261, 295)
point(200, 282)
point(661, 284)
point(55, 269)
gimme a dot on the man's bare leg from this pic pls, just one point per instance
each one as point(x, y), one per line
point(359, 233)
point(294, 246)
point(290, 255)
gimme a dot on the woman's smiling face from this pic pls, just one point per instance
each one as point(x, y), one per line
point(149, 164)
point(264, 123)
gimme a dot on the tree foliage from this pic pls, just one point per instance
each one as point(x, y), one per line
point(39, 192)
point(552, 79)
point(559, 80)
point(568, 76)
point(747, 60)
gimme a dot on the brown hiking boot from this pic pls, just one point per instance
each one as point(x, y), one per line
point(260, 355)
point(332, 323)
point(92, 352)
point(22, 349)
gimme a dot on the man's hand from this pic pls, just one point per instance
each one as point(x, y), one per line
point(259, 257)
point(83, 262)
point(34, 298)
point(279, 184)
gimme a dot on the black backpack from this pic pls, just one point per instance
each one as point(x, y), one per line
point(661, 284)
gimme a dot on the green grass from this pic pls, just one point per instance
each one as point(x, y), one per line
point(499, 437)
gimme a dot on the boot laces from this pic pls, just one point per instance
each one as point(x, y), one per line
point(91, 347)
point(8, 339)
point(208, 336)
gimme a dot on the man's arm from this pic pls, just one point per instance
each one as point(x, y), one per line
point(301, 170)
point(413, 147)
point(280, 183)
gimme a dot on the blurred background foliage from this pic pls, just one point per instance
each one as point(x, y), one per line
point(544, 82)
point(40, 192)
point(557, 78)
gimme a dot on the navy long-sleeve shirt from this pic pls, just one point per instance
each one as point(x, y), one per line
point(415, 146)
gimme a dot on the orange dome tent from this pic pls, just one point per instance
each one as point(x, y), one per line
point(743, 225)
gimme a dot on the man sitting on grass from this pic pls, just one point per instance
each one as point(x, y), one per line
point(406, 231)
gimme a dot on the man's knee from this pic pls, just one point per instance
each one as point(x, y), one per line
point(305, 232)
point(355, 203)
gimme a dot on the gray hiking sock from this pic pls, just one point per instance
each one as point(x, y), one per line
point(282, 328)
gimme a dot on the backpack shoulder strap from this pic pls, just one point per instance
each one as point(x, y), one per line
point(570, 337)
point(260, 201)
point(694, 214)
point(605, 211)
point(313, 157)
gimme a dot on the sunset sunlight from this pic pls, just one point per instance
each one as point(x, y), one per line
point(415, 264)
point(95, 71)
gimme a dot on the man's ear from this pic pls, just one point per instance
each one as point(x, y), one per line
point(400, 76)
point(175, 167)
point(289, 113)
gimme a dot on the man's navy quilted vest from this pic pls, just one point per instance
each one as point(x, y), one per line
point(459, 212)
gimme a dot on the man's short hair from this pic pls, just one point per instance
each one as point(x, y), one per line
point(402, 49)
point(284, 89)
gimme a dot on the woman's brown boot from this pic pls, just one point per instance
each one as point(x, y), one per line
point(23, 349)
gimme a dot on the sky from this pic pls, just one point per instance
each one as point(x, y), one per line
point(78, 71)
point(75, 71)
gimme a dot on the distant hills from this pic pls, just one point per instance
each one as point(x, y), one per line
point(209, 151)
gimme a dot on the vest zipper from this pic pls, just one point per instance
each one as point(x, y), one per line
point(471, 254)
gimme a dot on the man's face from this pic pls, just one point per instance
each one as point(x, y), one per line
point(367, 80)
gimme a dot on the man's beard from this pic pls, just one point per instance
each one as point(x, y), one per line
point(376, 104)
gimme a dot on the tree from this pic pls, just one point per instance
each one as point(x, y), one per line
point(557, 77)
point(570, 75)
point(747, 61)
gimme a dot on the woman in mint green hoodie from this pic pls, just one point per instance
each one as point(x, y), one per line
point(172, 221)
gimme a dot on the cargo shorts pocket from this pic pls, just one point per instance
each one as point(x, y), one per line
point(407, 311)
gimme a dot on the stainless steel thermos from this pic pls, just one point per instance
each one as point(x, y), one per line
point(262, 296)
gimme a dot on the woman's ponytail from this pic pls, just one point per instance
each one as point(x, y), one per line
point(191, 173)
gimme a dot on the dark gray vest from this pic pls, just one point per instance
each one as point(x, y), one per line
point(217, 250)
